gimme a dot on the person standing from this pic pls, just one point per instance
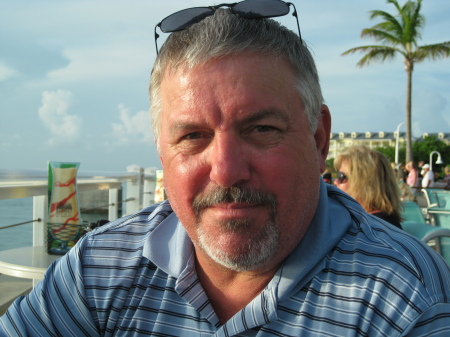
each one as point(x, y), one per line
point(428, 176)
point(413, 177)
point(447, 177)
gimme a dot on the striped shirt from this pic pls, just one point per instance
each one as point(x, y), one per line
point(352, 275)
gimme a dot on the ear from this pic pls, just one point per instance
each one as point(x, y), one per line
point(322, 136)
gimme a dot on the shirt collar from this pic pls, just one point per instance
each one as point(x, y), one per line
point(170, 248)
point(330, 223)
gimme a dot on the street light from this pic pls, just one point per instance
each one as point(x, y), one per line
point(396, 143)
point(438, 160)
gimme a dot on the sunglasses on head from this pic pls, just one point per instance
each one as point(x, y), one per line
point(249, 9)
point(341, 177)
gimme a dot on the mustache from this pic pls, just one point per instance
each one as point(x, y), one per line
point(237, 194)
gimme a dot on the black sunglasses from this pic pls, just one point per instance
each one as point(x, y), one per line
point(249, 9)
point(341, 177)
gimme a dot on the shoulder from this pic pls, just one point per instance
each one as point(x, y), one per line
point(124, 235)
point(384, 273)
point(404, 264)
point(145, 220)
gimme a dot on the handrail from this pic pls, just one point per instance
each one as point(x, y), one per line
point(20, 223)
point(139, 187)
point(24, 189)
point(87, 210)
point(31, 262)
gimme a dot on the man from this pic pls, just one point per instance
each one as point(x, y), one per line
point(413, 177)
point(428, 176)
point(250, 242)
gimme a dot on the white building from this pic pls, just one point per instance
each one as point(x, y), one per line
point(342, 140)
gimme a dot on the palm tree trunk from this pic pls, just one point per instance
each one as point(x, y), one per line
point(409, 151)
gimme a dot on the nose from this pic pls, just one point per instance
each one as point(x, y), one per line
point(229, 161)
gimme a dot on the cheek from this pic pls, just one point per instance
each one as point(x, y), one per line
point(183, 179)
point(345, 187)
point(290, 175)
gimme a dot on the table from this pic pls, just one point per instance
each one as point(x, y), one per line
point(26, 262)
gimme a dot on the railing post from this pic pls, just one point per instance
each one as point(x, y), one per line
point(134, 190)
point(40, 211)
point(149, 187)
point(113, 209)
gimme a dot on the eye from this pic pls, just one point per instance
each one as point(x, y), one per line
point(258, 130)
point(264, 128)
point(193, 142)
point(193, 136)
point(263, 135)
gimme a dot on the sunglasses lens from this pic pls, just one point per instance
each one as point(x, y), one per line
point(341, 177)
point(257, 9)
point(184, 19)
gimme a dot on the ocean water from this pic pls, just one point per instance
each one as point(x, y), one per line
point(14, 211)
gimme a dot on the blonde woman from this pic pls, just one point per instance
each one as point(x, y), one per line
point(367, 176)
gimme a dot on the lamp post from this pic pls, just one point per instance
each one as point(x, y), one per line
point(438, 160)
point(396, 143)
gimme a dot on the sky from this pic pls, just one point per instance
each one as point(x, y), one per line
point(74, 77)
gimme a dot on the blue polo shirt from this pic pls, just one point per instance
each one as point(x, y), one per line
point(351, 275)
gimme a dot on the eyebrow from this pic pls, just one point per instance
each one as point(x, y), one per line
point(253, 118)
point(266, 113)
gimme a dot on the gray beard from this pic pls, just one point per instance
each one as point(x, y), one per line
point(251, 256)
point(259, 249)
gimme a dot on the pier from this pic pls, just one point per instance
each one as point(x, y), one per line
point(112, 195)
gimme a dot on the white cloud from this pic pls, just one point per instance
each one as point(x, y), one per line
point(133, 128)
point(6, 72)
point(65, 128)
point(101, 62)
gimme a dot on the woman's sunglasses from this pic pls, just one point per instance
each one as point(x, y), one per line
point(341, 177)
point(249, 9)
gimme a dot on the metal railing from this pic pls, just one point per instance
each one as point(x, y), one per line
point(135, 188)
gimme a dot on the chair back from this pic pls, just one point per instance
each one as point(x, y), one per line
point(412, 212)
point(441, 217)
point(441, 237)
point(437, 238)
point(430, 197)
point(443, 199)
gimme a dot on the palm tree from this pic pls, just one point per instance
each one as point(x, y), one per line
point(399, 34)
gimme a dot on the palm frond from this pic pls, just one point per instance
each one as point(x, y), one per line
point(432, 51)
point(390, 23)
point(384, 15)
point(413, 21)
point(389, 27)
point(395, 3)
point(382, 36)
point(377, 55)
point(374, 54)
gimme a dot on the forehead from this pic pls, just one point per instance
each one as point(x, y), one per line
point(235, 82)
point(345, 165)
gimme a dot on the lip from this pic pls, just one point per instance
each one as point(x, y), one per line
point(234, 205)
point(235, 210)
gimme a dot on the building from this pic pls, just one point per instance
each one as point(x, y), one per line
point(342, 140)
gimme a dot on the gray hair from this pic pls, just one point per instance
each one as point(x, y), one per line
point(224, 34)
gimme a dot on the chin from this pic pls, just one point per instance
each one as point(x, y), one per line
point(254, 252)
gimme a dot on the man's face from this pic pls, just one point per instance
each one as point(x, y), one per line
point(241, 166)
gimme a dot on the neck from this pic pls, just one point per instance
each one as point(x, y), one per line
point(229, 291)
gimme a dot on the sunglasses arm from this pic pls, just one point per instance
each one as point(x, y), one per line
point(296, 16)
point(156, 38)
